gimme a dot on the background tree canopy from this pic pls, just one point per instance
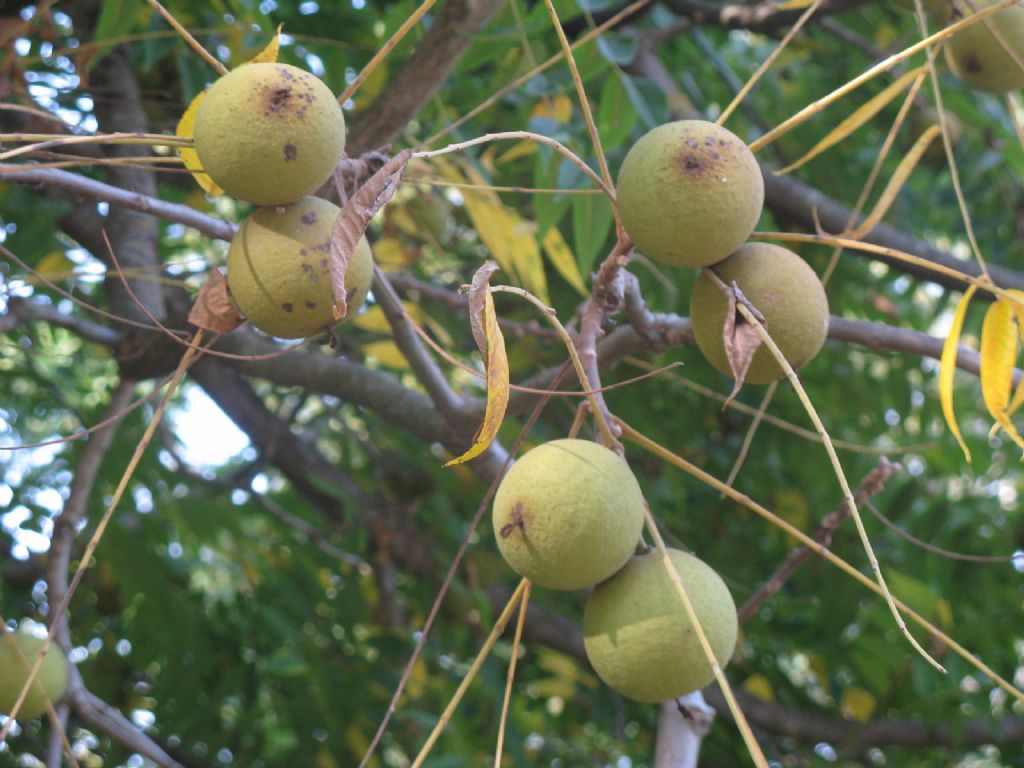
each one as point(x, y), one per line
point(258, 592)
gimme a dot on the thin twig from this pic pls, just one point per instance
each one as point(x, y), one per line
point(693, 470)
point(883, 66)
point(523, 604)
point(709, 654)
point(872, 484)
point(411, 21)
point(748, 86)
point(101, 527)
point(485, 650)
point(204, 54)
point(837, 466)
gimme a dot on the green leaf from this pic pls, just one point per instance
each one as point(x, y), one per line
point(591, 224)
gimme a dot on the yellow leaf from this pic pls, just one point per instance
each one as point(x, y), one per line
point(557, 108)
point(269, 54)
point(858, 704)
point(848, 126)
point(386, 353)
point(899, 178)
point(374, 84)
point(758, 685)
point(999, 341)
point(1017, 302)
point(944, 611)
point(794, 5)
point(519, 149)
point(510, 239)
point(374, 320)
point(190, 158)
point(54, 266)
point(947, 366)
point(561, 256)
point(358, 743)
point(390, 254)
point(497, 385)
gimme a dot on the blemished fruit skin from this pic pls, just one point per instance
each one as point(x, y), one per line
point(690, 193)
point(50, 683)
point(787, 292)
point(568, 514)
point(639, 638)
point(278, 269)
point(977, 54)
point(269, 133)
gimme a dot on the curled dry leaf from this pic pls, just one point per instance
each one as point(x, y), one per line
point(479, 290)
point(484, 323)
point(741, 339)
point(354, 218)
point(213, 309)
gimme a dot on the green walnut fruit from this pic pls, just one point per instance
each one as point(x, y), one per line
point(269, 133)
point(980, 55)
point(278, 269)
point(690, 192)
point(638, 635)
point(568, 514)
point(49, 684)
point(787, 292)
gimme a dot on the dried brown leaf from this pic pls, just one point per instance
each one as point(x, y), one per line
point(213, 309)
point(484, 321)
point(478, 291)
point(741, 339)
point(355, 216)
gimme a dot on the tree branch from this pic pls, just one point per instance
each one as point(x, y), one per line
point(300, 461)
point(134, 237)
point(423, 74)
point(97, 713)
point(25, 310)
point(812, 727)
point(765, 16)
point(67, 523)
point(451, 406)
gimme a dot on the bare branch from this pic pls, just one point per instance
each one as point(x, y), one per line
point(449, 404)
point(764, 16)
point(300, 461)
point(24, 310)
point(97, 713)
point(66, 524)
point(812, 727)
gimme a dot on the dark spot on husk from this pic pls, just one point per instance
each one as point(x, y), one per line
point(290, 152)
point(972, 64)
point(306, 267)
point(310, 304)
point(279, 99)
point(692, 143)
point(287, 307)
point(516, 521)
point(309, 219)
point(692, 163)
